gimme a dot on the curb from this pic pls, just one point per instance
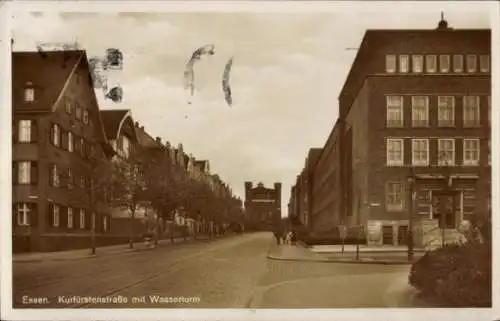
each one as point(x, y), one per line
point(349, 261)
point(126, 251)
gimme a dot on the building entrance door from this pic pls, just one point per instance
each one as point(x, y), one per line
point(387, 235)
point(445, 206)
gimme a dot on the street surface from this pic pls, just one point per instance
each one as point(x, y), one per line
point(231, 272)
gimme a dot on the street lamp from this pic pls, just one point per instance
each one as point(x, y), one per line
point(411, 180)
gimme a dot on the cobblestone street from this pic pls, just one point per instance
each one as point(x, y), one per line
point(231, 272)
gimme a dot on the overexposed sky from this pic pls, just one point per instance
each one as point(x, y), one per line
point(288, 70)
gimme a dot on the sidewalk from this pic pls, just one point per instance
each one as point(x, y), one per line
point(103, 251)
point(362, 248)
point(369, 255)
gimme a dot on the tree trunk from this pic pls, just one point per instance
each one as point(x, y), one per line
point(132, 222)
point(157, 229)
point(172, 228)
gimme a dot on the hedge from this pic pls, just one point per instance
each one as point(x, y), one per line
point(457, 275)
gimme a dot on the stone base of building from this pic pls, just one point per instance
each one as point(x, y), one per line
point(426, 233)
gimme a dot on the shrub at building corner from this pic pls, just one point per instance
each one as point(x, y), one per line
point(457, 275)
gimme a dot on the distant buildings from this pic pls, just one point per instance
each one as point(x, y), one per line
point(59, 133)
point(414, 112)
point(262, 206)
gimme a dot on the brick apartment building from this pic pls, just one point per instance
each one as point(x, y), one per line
point(56, 127)
point(262, 206)
point(58, 133)
point(414, 112)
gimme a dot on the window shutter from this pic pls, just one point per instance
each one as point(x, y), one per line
point(34, 131)
point(14, 216)
point(15, 174)
point(34, 173)
point(34, 215)
point(15, 134)
point(50, 214)
point(51, 138)
point(63, 217)
point(64, 140)
point(51, 178)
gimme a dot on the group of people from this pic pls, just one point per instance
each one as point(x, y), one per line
point(285, 237)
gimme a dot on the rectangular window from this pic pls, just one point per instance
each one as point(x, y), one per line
point(54, 176)
point(484, 63)
point(431, 62)
point(446, 111)
point(458, 63)
point(82, 181)
point(55, 215)
point(395, 111)
point(471, 111)
point(85, 116)
point(105, 223)
point(404, 63)
point(70, 217)
point(71, 142)
point(24, 131)
point(78, 111)
point(29, 95)
point(395, 196)
point(420, 111)
point(471, 63)
point(69, 106)
point(82, 146)
point(417, 62)
point(489, 152)
point(395, 152)
point(24, 172)
point(56, 135)
point(82, 219)
point(420, 152)
point(390, 63)
point(489, 110)
point(70, 178)
point(444, 63)
point(446, 152)
point(23, 214)
point(471, 152)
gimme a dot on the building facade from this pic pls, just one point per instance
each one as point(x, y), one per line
point(262, 205)
point(326, 191)
point(415, 120)
point(57, 129)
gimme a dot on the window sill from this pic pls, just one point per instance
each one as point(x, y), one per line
point(421, 126)
point(446, 126)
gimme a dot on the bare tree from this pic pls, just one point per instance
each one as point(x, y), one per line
point(91, 186)
point(129, 186)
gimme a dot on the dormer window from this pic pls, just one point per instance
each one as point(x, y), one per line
point(29, 95)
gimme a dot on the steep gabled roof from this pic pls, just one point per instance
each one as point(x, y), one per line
point(145, 140)
point(47, 72)
point(112, 121)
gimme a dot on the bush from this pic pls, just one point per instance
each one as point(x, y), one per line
point(457, 275)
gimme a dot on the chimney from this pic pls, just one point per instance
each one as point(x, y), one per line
point(137, 124)
point(142, 127)
point(158, 140)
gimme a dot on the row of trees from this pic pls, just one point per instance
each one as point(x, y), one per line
point(150, 177)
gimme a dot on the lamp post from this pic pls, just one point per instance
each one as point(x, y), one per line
point(411, 180)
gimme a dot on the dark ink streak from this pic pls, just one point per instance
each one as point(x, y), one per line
point(189, 72)
point(226, 87)
point(114, 59)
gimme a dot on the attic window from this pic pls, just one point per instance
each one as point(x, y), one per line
point(29, 94)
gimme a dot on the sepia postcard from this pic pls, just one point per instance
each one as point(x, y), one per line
point(221, 160)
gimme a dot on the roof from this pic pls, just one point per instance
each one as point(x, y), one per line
point(47, 72)
point(112, 121)
point(145, 140)
point(375, 37)
point(201, 165)
point(313, 156)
